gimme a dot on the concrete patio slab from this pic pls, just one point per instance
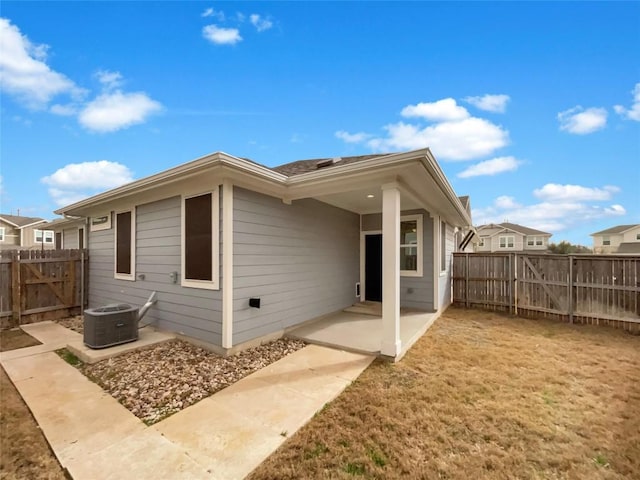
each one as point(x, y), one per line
point(362, 332)
point(143, 456)
point(146, 338)
point(50, 332)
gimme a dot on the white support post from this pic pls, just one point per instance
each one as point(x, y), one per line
point(391, 344)
point(227, 264)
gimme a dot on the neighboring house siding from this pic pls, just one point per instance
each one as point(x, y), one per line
point(518, 242)
point(444, 287)
point(189, 311)
point(70, 238)
point(631, 235)
point(415, 292)
point(301, 260)
point(28, 238)
point(11, 236)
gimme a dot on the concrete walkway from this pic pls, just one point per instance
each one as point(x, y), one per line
point(224, 436)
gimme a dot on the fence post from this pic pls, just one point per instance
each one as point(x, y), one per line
point(466, 282)
point(515, 281)
point(510, 282)
point(16, 301)
point(570, 285)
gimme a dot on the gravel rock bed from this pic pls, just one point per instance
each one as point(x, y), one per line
point(73, 323)
point(159, 381)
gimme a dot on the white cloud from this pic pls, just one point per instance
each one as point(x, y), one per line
point(116, 110)
point(64, 110)
point(491, 167)
point(575, 193)
point(76, 181)
point(210, 12)
point(582, 122)
point(109, 80)
point(24, 73)
point(490, 103)
point(442, 110)
point(352, 137)
point(634, 112)
point(221, 36)
point(555, 212)
point(462, 140)
point(260, 23)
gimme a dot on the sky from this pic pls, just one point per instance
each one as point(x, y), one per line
point(532, 109)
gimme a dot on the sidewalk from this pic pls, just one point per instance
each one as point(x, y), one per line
point(224, 436)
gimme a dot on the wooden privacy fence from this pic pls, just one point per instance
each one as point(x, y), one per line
point(594, 289)
point(38, 285)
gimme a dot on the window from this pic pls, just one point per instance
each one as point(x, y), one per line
point(637, 236)
point(411, 246)
point(125, 245)
point(481, 242)
point(538, 241)
point(606, 240)
point(81, 238)
point(506, 241)
point(1, 234)
point(443, 246)
point(101, 222)
point(200, 240)
point(43, 236)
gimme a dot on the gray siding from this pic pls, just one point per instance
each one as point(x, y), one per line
point(189, 311)
point(415, 292)
point(70, 238)
point(302, 260)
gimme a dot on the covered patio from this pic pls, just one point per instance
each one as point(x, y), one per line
point(360, 329)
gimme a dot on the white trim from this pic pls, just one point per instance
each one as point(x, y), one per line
point(2, 234)
point(363, 266)
point(506, 242)
point(125, 276)
point(391, 345)
point(214, 283)
point(103, 225)
point(436, 258)
point(227, 264)
point(420, 246)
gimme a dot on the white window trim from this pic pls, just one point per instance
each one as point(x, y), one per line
point(214, 283)
point(420, 238)
point(125, 276)
point(2, 234)
point(47, 235)
point(506, 241)
point(607, 239)
point(101, 226)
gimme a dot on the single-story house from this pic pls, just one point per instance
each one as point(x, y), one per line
point(239, 252)
point(69, 233)
point(510, 237)
point(28, 233)
point(618, 239)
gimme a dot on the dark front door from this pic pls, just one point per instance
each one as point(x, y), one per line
point(373, 267)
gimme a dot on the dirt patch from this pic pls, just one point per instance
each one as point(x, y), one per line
point(24, 452)
point(482, 395)
point(159, 381)
point(16, 338)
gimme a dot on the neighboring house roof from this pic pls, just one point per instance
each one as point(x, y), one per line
point(616, 229)
point(20, 222)
point(304, 166)
point(629, 247)
point(514, 228)
point(56, 222)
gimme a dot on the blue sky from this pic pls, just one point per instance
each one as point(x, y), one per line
point(532, 109)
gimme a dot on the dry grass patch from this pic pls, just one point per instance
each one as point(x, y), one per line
point(24, 452)
point(482, 395)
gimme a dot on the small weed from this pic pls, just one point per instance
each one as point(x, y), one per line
point(69, 357)
point(344, 443)
point(354, 469)
point(377, 458)
point(283, 433)
point(601, 461)
point(548, 398)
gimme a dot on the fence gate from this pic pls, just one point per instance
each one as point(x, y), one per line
point(41, 285)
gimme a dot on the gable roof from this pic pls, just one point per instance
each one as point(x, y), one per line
point(20, 222)
point(515, 228)
point(629, 247)
point(616, 229)
point(304, 166)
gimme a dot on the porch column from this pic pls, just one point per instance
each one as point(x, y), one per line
point(390, 270)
